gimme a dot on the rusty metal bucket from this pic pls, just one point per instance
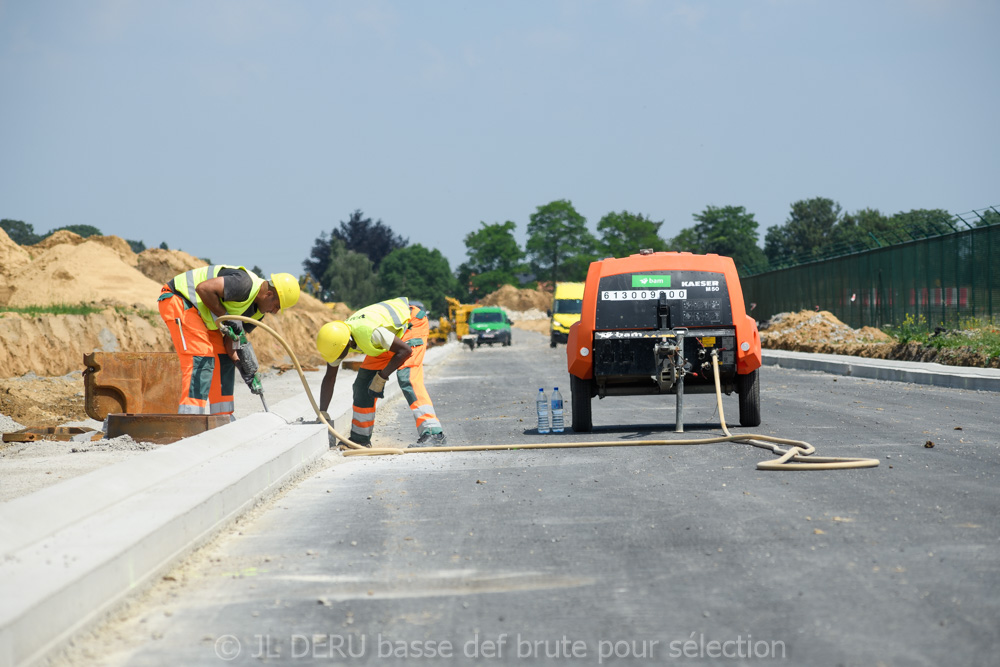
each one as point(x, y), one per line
point(131, 382)
point(162, 429)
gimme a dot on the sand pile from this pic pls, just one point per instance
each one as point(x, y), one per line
point(161, 265)
point(521, 300)
point(66, 237)
point(12, 256)
point(80, 273)
point(526, 308)
point(807, 331)
point(103, 271)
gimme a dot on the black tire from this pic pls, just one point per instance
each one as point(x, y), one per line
point(748, 387)
point(552, 341)
point(582, 391)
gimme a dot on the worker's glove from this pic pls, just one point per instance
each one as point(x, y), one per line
point(233, 329)
point(377, 386)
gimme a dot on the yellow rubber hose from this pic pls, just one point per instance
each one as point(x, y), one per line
point(798, 456)
point(302, 376)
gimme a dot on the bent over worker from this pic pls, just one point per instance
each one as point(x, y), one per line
point(191, 302)
point(410, 376)
point(377, 331)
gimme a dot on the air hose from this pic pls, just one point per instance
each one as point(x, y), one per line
point(797, 456)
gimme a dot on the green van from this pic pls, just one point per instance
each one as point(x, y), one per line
point(490, 325)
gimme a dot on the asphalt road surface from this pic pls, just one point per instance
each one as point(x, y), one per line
point(626, 555)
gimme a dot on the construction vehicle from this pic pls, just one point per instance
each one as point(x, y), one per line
point(651, 323)
point(489, 325)
point(456, 322)
point(567, 302)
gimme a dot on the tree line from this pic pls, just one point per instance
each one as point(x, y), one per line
point(363, 261)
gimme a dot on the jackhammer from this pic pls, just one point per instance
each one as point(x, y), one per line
point(248, 365)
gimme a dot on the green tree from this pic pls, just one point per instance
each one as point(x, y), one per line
point(359, 234)
point(623, 234)
point(319, 258)
point(348, 277)
point(806, 234)
point(727, 230)
point(921, 222)
point(494, 259)
point(137, 246)
point(866, 228)
point(373, 239)
point(560, 247)
point(987, 218)
point(417, 273)
point(164, 246)
point(21, 233)
point(82, 230)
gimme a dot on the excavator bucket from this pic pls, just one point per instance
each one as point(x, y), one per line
point(131, 382)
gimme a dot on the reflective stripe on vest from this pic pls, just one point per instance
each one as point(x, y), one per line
point(186, 285)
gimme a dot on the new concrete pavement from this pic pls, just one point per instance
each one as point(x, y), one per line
point(73, 551)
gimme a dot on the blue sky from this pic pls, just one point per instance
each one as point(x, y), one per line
point(238, 130)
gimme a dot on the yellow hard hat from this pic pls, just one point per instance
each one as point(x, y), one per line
point(287, 288)
point(332, 339)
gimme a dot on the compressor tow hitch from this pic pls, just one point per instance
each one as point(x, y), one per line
point(671, 369)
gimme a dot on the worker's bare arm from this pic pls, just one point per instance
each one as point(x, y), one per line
point(326, 387)
point(400, 353)
point(211, 293)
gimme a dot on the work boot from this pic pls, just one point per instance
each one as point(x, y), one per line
point(432, 440)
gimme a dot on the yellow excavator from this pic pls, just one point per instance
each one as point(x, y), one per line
point(456, 322)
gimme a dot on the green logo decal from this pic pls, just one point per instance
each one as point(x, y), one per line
point(650, 281)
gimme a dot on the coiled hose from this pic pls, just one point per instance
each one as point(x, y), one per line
point(798, 455)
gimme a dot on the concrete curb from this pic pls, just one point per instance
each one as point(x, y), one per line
point(914, 372)
point(73, 551)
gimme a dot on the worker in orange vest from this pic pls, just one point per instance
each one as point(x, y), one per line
point(191, 302)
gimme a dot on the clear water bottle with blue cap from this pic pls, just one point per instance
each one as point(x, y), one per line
point(542, 406)
point(557, 411)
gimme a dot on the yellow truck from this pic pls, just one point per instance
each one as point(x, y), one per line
point(567, 303)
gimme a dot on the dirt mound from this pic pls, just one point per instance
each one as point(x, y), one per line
point(821, 332)
point(12, 256)
point(513, 298)
point(42, 401)
point(88, 272)
point(161, 265)
point(55, 344)
point(68, 269)
point(62, 237)
point(806, 329)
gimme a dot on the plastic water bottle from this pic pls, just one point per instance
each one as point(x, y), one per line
point(542, 406)
point(557, 411)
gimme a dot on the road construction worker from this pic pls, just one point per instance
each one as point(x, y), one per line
point(383, 332)
point(191, 302)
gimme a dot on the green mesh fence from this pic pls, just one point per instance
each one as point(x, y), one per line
point(948, 280)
